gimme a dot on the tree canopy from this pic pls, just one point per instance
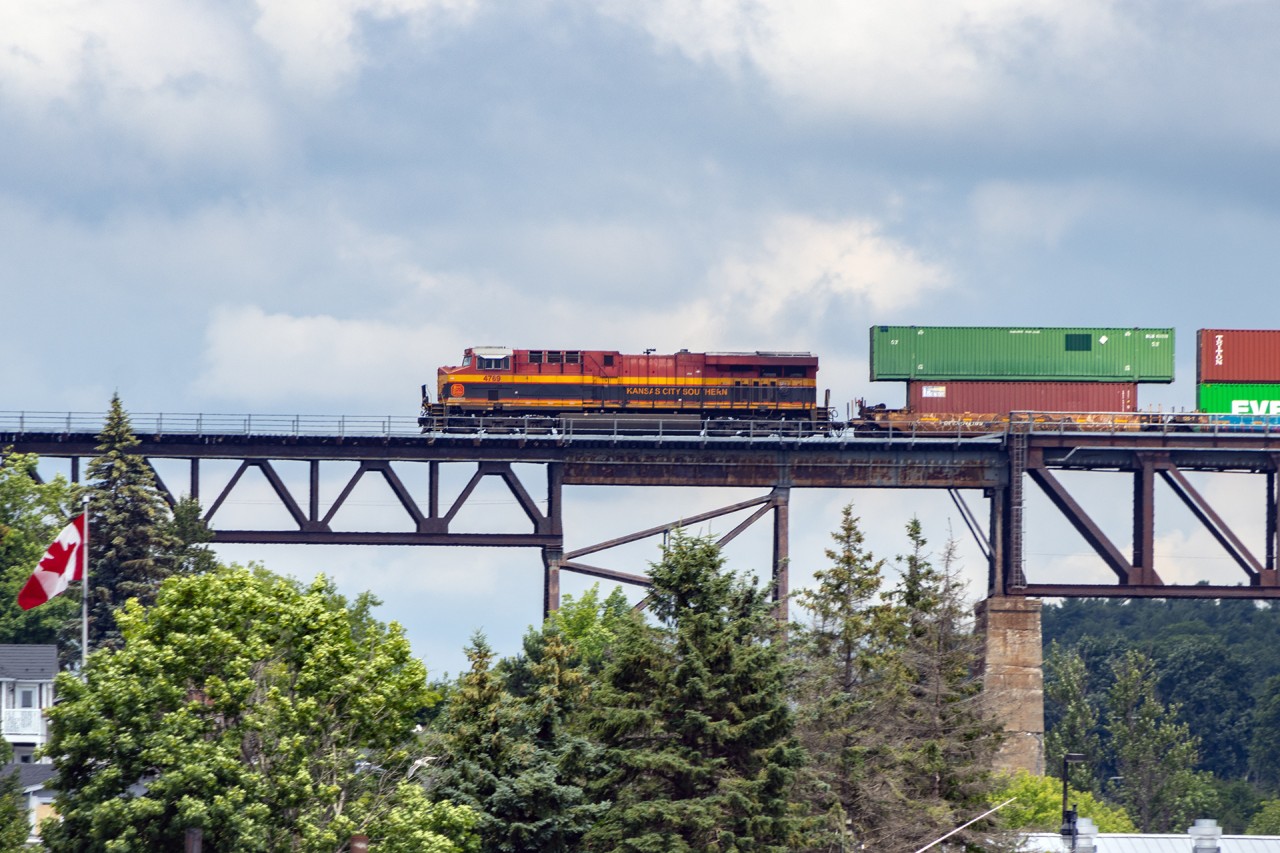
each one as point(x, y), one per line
point(272, 715)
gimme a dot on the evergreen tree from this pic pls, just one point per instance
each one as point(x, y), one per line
point(1155, 754)
point(849, 684)
point(131, 540)
point(189, 535)
point(693, 717)
point(512, 758)
point(949, 738)
point(888, 701)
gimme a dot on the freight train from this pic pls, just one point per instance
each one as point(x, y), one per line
point(953, 375)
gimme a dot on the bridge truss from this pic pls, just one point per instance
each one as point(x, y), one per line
point(995, 462)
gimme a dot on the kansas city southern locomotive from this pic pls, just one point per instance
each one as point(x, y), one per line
point(500, 381)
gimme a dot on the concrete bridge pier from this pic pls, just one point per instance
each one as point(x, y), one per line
point(1013, 678)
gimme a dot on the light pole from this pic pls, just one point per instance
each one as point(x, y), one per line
point(1068, 830)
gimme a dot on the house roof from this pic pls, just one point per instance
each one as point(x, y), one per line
point(1126, 842)
point(28, 662)
point(29, 775)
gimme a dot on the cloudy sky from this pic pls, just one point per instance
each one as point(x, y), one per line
point(306, 207)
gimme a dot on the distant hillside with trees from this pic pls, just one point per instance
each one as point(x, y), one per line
point(1207, 676)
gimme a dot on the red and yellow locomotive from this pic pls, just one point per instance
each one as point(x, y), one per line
point(500, 381)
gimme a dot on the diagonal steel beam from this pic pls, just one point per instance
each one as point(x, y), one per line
point(527, 503)
point(971, 522)
point(282, 492)
point(663, 528)
point(1212, 521)
point(606, 574)
point(1079, 519)
point(399, 490)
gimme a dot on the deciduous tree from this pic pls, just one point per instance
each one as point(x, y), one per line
point(1156, 755)
point(273, 716)
point(31, 514)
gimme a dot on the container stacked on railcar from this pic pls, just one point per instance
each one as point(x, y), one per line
point(1238, 372)
point(968, 373)
point(500, 381)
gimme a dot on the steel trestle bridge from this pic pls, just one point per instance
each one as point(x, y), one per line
point(992, 460)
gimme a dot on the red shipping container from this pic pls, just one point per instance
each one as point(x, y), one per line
point(1003, 397)
point(1238, 355)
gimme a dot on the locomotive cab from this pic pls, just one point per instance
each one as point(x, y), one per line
point(476, 384)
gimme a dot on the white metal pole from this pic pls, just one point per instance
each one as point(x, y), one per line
point(84, 595)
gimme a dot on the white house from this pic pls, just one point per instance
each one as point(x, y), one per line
point(26, 689)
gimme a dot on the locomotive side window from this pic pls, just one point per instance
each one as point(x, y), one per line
point(535, 356)
point(608, 361)
point(555, 358)
point(573, 358)
point(1079, 343)
point(503, 363)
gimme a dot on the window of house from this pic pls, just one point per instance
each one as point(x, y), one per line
point(27, 697)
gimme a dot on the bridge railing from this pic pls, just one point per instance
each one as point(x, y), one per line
point(621, 428)
point(214, 424)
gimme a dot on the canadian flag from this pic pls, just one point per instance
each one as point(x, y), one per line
point(61, 564)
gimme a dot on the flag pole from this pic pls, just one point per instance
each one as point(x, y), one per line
point(84, 595)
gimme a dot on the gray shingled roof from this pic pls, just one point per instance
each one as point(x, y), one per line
point(29, 775)
point(28, 663)
point(1118, 842)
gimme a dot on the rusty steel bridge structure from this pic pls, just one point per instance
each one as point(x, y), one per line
point(994, 461)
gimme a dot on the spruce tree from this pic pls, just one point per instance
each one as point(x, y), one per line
point(131, 541)
point(513, 758)
point(693, 715)
point(950, 739)
point(849, 683)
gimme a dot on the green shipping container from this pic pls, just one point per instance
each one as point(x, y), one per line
point(1016, 354)
point(1222, 398)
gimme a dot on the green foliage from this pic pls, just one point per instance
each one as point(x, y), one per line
point(272, 715)
point(14, 825)
point(1212, 657)
point(590, 625)
point(693, 716)
point(31, 514)
point(1264, 751)
point(1267, 819)
point(951, 738)
point(1038, 805)
point(1077, 728)
point(888, 704)
point(1155, 754)
point(189, 535)
point(512, 758)
point(848, 678)
point(131, 540)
